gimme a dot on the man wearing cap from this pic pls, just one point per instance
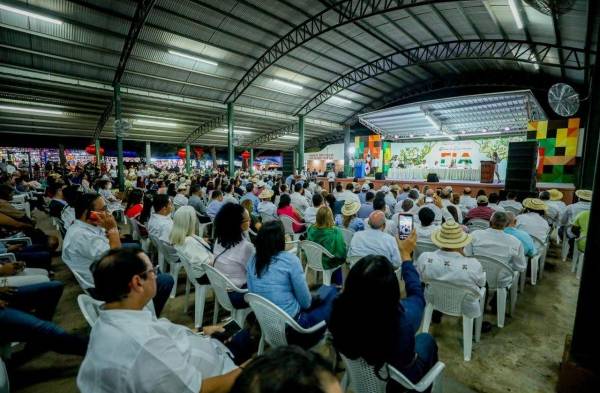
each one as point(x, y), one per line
point(556, 202)
point(493, 242)
point(584, 203)
point(532, 219)
point(450, 265)
point(482, 211)
point(375, 241)
point(267, 209)
point(363, 192)
point(466, 200)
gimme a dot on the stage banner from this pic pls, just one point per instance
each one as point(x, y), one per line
point(368, 150)
point(557, 149)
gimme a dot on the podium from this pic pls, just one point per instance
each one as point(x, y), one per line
point(487, 171)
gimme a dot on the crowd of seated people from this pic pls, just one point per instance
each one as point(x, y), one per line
point(130, 349)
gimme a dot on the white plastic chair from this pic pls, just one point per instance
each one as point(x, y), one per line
point(493, 270)
point(314, 259)
point(513, 210)
point(423, 246)
point(360, 377)
point(348, 235)
point(477, 224)
point(221, 285)
point(90, 308)
point(542, 248)
point(565, 244)
point(448, 298)
point(83, 283)
point(578, 256)
point(351, 260)
point(171, 257)
point(273, 322)
point(289, 227)
point(134, 225)
point(4, 383)
point(199, 291)
point(160, 256)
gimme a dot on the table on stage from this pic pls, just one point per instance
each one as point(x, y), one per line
point(460, 174)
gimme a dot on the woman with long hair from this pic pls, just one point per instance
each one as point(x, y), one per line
point(286, 209)
point(134, 203)
point(325, 233)
point(232, 247)
point(370, 303)
point(277, 275)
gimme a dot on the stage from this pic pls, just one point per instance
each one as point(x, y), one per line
point(567, 189)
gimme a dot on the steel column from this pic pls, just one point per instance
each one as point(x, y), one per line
point(346, 153)
point(300, 162)
point(120, 169)
point(251, 163)
point(97, 147)
point(148, 153)
point(188, 159)
point(230, 148)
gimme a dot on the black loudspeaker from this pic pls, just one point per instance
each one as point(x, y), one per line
point(521, 167)
point(340, 174)
point(288, 163)
point(433, 178)
point(379, 176)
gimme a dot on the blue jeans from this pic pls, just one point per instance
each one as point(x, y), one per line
point(164, 285)
point(320, 310)
point(19, 323)
point(237, 299)
point(35, 256)
point(427, 355)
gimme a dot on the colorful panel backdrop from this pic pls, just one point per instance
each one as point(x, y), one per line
point(557, 149)
point(371, 148)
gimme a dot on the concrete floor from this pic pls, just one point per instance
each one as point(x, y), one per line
point(522, 357)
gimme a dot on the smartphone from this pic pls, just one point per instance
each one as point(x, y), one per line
point(405, 225)
point(94, 216)
point(231, 328)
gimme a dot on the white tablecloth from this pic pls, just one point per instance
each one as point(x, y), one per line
point(443, 173)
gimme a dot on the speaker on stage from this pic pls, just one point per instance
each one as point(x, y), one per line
point(433, 178)
point(379, 176)
point(340, 174)
point(521, 167)
point(287, 167)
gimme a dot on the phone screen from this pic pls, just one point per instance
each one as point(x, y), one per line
point(405, 225)
point(231, 328)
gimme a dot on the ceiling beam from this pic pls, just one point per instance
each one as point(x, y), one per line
point(205, 128)
point(263, 139)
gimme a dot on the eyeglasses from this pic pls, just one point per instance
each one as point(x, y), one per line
point(153, 269)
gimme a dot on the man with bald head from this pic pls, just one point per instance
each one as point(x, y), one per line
point(375, 241)
point(466, 200)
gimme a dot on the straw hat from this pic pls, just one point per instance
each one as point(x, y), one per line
point(555, 195)
point(356, 187)
point(265, 194)
point(534, 204)
point(182, 186)
point(450, 235)
point(586, 195)
point(351, 206)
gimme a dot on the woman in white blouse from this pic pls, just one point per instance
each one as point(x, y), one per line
point(189, 245)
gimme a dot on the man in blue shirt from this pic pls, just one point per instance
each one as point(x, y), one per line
point(250, 195)
point(524, 237)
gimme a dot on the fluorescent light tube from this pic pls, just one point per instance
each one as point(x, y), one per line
point(32, 110)
point(192, 57)
point(341, 100)
point(289, 137)
point(30, 14)
point(287, 84)
point(514, 8)
point(155, 123)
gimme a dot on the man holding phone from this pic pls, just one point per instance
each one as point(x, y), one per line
point(94, 233)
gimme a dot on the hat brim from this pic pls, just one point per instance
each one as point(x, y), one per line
point(349, 212)
point(446, 243)
point(583, 195)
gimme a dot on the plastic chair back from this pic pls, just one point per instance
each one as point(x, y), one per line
point(220, 285)
point(168, 251)
point(83, 283)
point(90, 308)
point(314, 254)
point(287, 224)
point(4, 385)
point(264, 218)
point(348, 234)
point(353, 259)
point(448, 298)
point(135, 229)
point(494, 269)
point(424, 246)
point(512, 209)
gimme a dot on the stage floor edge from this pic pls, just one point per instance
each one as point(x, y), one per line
point(568, 189)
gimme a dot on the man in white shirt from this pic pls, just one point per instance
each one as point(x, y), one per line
point(374, 240)
point(267, 209)
point(466, 200)
point(511, 202)
point(532, 220)
point(556, 202)
point(160, 222)
point(450, 265)
point(493, 200)
point(426, 226)
point(310, 214)
point(299, 202)
point(493, 242)
point(180, 199)
point(130, 350)
point(584, 203)
point(331, 180)
point(348, 194)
